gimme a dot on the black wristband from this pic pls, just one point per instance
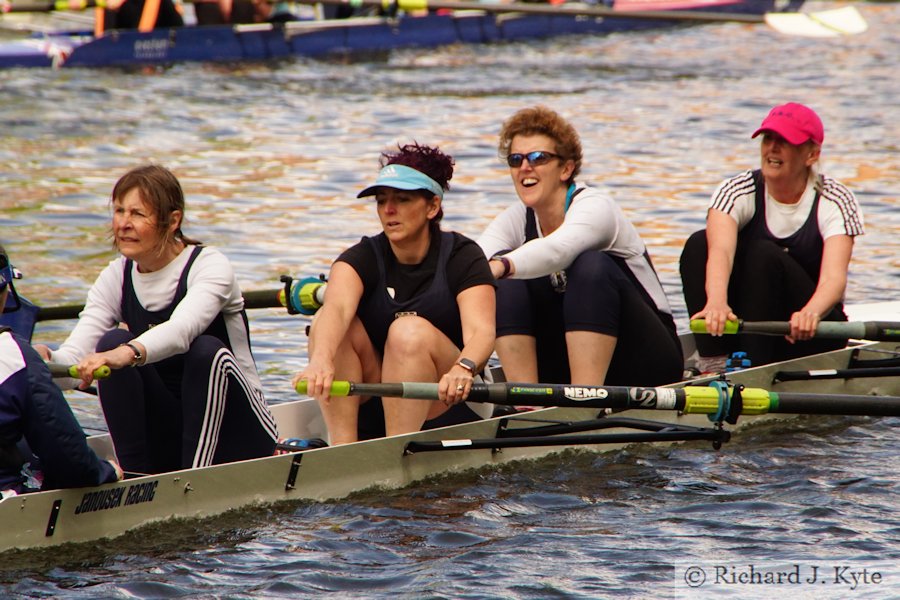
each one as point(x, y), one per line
point(507, 266)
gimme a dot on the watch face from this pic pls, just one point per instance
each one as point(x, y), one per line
point(468, 364)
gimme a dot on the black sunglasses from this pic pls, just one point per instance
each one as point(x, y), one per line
point(535, 159)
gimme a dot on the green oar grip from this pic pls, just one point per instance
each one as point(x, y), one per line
point(338, 388)
point(58, 370)
point(699, 326)
point(101, 373)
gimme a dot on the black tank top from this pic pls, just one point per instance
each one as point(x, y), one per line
point(437, 304)
point(804, 245)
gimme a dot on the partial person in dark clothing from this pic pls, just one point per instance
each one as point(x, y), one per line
point(232, 12)
point(42, 446)
point(145, 15)
point(413, 303)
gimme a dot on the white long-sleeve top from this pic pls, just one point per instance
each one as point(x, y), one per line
point(212, 288)
point(593, 222)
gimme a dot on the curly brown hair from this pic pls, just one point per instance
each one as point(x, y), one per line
point(540, 120)
point(425, 159)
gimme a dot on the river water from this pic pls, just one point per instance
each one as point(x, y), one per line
point(271, 157)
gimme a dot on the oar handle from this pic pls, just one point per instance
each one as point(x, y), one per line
point(338, 388)
point(698, 326)
point(58, 370)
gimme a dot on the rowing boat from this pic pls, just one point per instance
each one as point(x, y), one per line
point(355, 36)
point(54, 517)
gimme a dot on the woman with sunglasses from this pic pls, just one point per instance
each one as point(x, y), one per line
point(578, 300)
point(184, 392)
point(776, 247)
point(413, 303)
point(42, 446)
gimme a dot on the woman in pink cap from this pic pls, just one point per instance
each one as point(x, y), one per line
point(413, 303)
point(776, 247)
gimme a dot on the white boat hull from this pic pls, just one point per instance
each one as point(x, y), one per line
point(80, 515)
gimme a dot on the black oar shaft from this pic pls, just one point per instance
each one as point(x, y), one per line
point(835, 404)
point(691, 399)
point(254, 299)
point(263, 299)
point(616, 397)
point(837, 374)
point(55, 313)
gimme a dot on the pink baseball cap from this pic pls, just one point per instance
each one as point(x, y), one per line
point(794, 122)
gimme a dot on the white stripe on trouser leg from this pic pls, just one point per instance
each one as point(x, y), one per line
point(223, 365)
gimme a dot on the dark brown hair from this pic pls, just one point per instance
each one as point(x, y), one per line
point(161, 192)
point(425, 159)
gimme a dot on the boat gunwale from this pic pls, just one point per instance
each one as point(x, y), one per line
point(335, 472)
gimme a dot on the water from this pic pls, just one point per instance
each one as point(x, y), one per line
point(271, 157)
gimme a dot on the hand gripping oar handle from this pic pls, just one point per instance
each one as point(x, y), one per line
point(706, 400)
point(58, 370)
point(876, 331)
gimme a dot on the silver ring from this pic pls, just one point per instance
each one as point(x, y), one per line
point(460, 387)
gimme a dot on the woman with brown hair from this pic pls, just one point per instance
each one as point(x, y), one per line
point(194, 397)
point(578, 300)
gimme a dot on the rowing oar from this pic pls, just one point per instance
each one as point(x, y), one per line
point(876, 331)
point(306, 296)
point(715, 401)
point(58, 370)
point(841, 21)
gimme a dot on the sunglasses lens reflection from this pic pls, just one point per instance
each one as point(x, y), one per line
point(535, 159)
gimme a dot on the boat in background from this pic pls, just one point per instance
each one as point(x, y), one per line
point(351, 37)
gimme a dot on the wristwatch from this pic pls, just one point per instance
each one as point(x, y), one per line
point(138, 355)
point(468, 365)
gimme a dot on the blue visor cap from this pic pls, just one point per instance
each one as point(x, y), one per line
point(401, 177)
